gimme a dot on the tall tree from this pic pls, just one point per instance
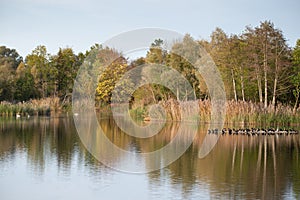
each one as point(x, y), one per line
point(268, 54)
point(9, 61)
point(281, 66)
point(64, 66)
point(253, 54)
point(38, 61)
point(188, 49)
point(296, 76)
point(25, 88)
point(157, 55)
point(220, 49)
point(112, 66)
point(274, 52)
point(9, 57)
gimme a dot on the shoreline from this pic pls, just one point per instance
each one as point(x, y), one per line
point(241, 112)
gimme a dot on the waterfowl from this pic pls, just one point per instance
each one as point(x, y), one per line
point(216, 131)
point(224, 130)
point(293, 131)
point(253, 131)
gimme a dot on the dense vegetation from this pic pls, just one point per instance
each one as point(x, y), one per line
point(257, 66)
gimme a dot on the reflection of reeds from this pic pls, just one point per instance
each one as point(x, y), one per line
point(44, 106)
point(238, 111)
point(261, 164)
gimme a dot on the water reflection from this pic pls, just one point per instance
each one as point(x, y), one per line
point(252, 167)
point(263, 167)
point(43, 140)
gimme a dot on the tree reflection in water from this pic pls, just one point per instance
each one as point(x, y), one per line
point(264, 167)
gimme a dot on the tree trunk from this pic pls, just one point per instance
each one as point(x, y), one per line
point(274, 90)
point(266, 90)
point(242, 84)
point(186, 95)
point(275, 79)
point(259, 85)
point(233, 84)
point(296, 103)
point(265, 72)
point(43, 89)
point(194, 91)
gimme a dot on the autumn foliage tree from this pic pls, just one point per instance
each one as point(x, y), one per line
point(256, 65)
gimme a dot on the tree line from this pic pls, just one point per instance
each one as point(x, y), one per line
point(257, 65)
point(39, 75)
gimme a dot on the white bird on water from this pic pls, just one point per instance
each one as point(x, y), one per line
point(18, 115)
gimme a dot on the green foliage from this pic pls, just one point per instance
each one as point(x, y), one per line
point(9, 61)
point(25, 89)
point(38, 62)
point(108, 80)
point(189, 49)
point(9, 57)
point(254, 64)
point(64, 69)
point(296, 74)
point(138, 113)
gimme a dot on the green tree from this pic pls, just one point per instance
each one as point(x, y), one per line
point(64, 67)
point(9, 61)
point(108, 80)
point(296, 76)
point(220, 48)
point(38, 61)
point(9, 57)
point(25, 89)
point(156, 55)
point(259, 55)
point(188, 49)
point(111, 66)
point(7, 82)
point(273, 53)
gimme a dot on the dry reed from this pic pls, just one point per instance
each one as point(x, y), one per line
point(45, 106)
point(236, 112)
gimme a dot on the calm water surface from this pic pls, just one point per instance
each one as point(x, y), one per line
point(43, 158)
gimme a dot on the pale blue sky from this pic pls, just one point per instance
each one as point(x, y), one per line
point(79, 24)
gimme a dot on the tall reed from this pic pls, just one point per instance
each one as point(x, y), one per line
point(45, 106)
point(238, 112)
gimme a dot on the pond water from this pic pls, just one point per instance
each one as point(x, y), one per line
point(43, 158)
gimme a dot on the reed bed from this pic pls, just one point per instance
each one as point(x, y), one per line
point(236, 112)
point(39, 107)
